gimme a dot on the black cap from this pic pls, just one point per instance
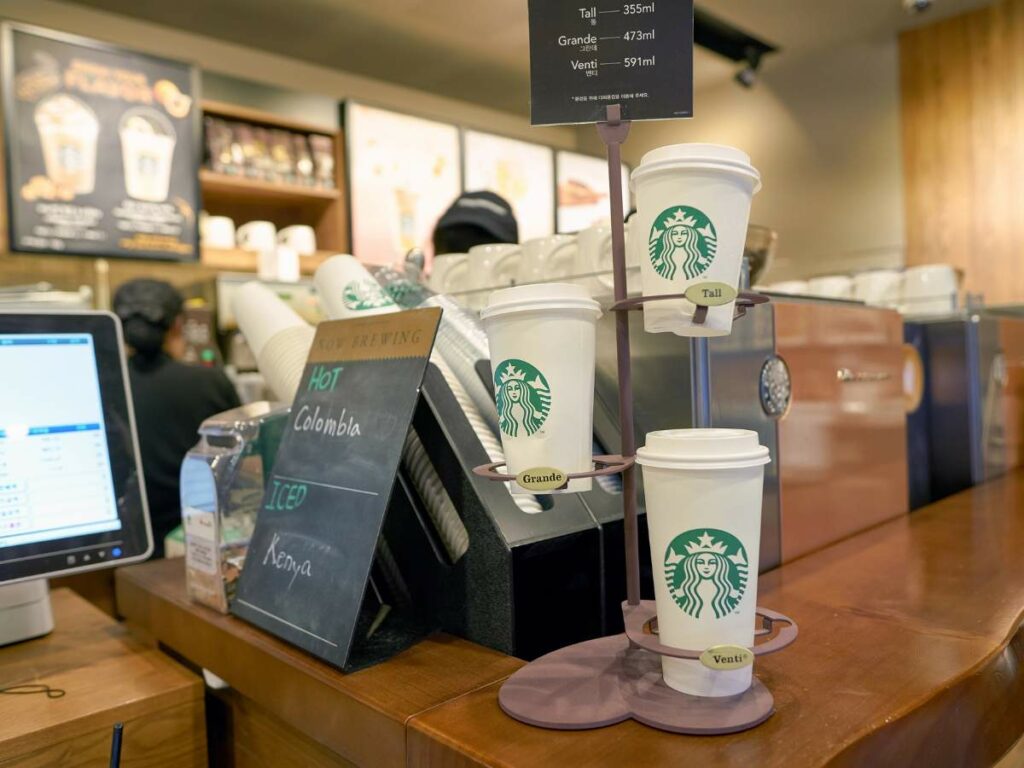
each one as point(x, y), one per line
point(147, 309)
point(485, 211)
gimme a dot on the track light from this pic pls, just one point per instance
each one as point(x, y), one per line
point(747, 76)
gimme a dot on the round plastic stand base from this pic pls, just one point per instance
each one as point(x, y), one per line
point(609, 680)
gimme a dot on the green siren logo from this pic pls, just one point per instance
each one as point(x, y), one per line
point(706, 570)
point(365, 294)
point(523, 398)
point(682, 238)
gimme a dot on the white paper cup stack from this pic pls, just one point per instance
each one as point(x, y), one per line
point(542, 340)
point(346, 289)
point(703, 489)
point(279, 339)
point(693, 206)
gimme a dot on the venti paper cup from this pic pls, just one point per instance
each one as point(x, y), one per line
point(703, 489)
point(542, 342)
point(693, 206)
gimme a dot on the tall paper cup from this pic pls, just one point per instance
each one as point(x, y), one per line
point(542, 341)
point(703, 490)
point(693, 206)
point(347, 289)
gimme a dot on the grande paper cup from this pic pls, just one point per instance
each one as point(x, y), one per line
point(346, 289)
point(703, 490)
point(542, 341)
point(693, 206)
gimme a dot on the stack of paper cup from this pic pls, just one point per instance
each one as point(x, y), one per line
point(703, 489)
point(542, 340)
point(693, 206)
point(347, 289)
point(279, 339)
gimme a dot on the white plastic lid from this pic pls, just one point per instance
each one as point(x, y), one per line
point(706, 156)
point(702, 449)
point(540, 298)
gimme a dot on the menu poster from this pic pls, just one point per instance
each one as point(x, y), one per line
point(521, 172)
point(583, 190)
point(584, 57)
point(102, 148)
point(404, 172)
point(309, 561)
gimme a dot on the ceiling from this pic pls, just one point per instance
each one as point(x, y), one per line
point(477, 50)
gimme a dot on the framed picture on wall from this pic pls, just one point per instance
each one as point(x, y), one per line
point(403, 174)
point(102, 147)
point(583, 190)
point(521, 172)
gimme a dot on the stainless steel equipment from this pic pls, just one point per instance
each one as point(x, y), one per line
point(821, 383)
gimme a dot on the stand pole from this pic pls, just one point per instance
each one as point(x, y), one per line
point(700, 381)
point(613, 133)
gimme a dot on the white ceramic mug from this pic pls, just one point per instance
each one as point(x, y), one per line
point(491, 267)
point(299, 237)
point(594, 259)
point(789, 287)
point(930, 289)
point(217, 232)
point(449, 273)
point(831, 287)
point(260, 236)
point(547, 258)
point(879, 287)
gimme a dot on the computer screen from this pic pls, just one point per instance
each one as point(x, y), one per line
point(71, 489)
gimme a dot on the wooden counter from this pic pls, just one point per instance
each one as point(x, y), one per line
point(107, 677)
point(909, 654)
point(360, 717)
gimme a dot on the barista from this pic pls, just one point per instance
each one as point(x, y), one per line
point(475, 218)
point(171, 398)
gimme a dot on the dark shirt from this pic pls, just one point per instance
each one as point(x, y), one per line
point(171, 400)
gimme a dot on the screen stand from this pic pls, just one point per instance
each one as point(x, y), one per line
point(25, 611)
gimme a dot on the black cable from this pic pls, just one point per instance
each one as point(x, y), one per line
point(27, 689)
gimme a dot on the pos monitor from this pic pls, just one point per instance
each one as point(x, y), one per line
point(72, 495)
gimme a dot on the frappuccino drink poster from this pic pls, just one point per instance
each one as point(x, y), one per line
point(102, 148)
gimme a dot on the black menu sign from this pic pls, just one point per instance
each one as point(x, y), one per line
point(585, 56)
point(309, 560)
point(102, 148)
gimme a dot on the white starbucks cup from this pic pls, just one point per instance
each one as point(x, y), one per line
point(346, 289)
point(703, 491)
point(542, 341)
point(693, 206)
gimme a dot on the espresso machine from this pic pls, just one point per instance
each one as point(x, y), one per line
point(821, 384)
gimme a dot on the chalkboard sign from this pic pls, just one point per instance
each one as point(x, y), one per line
point(102, 148)
point(587, 56)
point(309, 561)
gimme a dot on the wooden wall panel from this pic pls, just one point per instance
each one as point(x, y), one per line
point(962, 84)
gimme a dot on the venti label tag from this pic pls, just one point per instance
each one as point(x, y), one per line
point(727, 657)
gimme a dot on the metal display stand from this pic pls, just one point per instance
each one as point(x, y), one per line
point(612, 679)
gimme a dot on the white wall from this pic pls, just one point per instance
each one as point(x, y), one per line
point(823, 129)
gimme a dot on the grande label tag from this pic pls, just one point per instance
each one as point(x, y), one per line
point(542, 479)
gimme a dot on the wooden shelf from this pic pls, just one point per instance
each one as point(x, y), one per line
point(240, 189)
point(249, 115)
point(237, 260)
